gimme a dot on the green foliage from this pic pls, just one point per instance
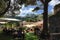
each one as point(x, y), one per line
point(4, 37)
point(40, 17)
point(50, 14)
point(18, 2)
point(33, 17)
point(2, 5)
point(27, 2)
point(37, 8)
point(30, 36)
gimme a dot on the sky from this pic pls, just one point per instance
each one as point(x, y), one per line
point(28, 9)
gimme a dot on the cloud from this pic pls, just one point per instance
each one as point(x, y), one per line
point(54, 2)
point(26, 10)
point(29, 10)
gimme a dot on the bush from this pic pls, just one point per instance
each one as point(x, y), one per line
point(30, 36)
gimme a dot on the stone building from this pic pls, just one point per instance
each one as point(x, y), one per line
point(54, 22)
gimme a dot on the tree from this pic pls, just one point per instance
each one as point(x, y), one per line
point(4, 6)
point(31, 17)
point(45, 33)
point(13, 8)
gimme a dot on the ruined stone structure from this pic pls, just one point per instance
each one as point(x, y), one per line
point(56, 8)
point(54, 22)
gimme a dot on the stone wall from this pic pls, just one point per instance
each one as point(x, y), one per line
point(54, 22)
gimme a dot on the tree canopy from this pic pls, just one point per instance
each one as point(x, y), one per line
point(16, 5)
point(4, 5)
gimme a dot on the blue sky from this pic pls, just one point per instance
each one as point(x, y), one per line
point(28, 9)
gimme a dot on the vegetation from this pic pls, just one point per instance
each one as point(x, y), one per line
point(17, 5)
point(4, 6)
point(33, 17)
point(8, 8)
point(30, 36)
point(4, 37)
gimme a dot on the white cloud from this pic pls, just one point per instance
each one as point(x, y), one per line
point(54, 2)
point(25, 11)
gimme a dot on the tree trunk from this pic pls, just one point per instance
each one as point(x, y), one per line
point(45, 34)
point(45, 17)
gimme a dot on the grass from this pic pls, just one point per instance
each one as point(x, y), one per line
point(4, 37)
point(28, 36)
